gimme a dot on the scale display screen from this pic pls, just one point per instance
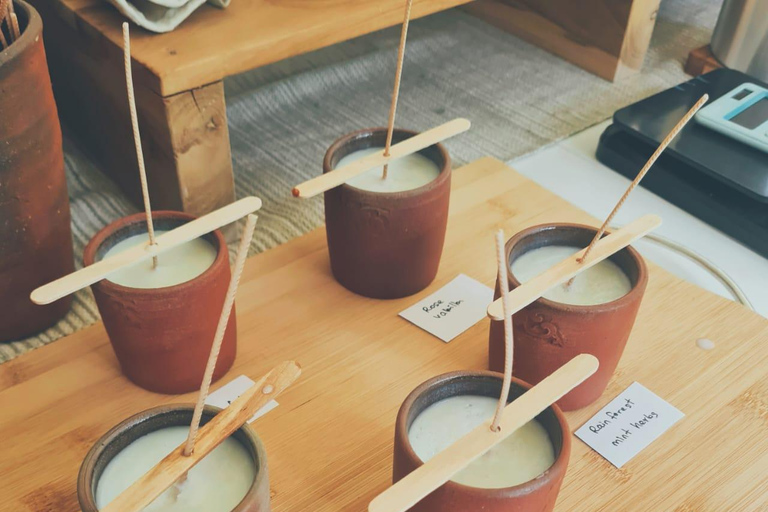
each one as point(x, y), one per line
point(742, 115)
point(754, 116)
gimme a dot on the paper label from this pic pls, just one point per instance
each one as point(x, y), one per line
point(230, 391)
point(452, 309)
point(628, 424)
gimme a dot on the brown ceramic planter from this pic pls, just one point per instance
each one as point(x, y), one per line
point(386, 245)
point(538, 494)
point(162, 336)
point(114, 441)
point(548, 334)
point(35, 236)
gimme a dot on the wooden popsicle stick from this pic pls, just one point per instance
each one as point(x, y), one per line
point(153, 483)
point(416, 143)
point(15, 25)
point(528, 292)
point(440, 468)
point(101, 269)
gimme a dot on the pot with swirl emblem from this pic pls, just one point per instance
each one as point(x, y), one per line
point(386, 245)
point(548, 334)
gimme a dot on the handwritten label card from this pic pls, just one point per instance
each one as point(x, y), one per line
point(628, 424)
point(230, 391)
point(451, 310)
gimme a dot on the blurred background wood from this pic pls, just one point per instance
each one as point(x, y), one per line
point(701, 61)
point(178, 78)
point(606, 37)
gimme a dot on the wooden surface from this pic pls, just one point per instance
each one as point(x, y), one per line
point(185, 136)
point(700, 61)
point(607, 37)
point(330, 440)
point(215, 43)
point(178, 78)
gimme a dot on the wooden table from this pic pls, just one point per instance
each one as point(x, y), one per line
point(330, 441)
point(178, 78)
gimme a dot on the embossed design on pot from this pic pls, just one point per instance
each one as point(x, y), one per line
point(376, 219)
point(601, 329)
point(386, 245)
point(543, 328)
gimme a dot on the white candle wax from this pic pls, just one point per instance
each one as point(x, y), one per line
point(521, 457)
point(218, 483)
point(604, 282)
point(175, 266)
point(406, 173)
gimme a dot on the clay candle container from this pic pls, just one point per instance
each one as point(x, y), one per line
point(233, 477)
point(594, 315)
point(385, 239)
point(161, 326)
point(35, 235)
point(537, 469)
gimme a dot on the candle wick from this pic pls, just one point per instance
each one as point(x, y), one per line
point(396, 87)
point(656, 154)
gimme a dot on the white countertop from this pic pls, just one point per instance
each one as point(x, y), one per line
point(569, 169)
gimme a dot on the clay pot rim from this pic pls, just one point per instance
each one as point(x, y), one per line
point(85, 475)
point(89, 254)
point(445, 170)
point(638, 287)
point(559, 466)
point(29, 35)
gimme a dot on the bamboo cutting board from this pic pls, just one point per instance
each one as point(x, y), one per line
point(330, 440)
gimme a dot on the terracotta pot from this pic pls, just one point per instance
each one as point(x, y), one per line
point(114, 441)
point(386, 245)
point(538, 494)
point(35, 235)
point(162, 336)
point(548, 334)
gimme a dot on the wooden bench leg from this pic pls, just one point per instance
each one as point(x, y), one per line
point(190, 142)
point(185, 136)
point(607, 37)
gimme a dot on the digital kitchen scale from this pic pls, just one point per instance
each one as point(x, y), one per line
point(714, 176)
point(741, 114)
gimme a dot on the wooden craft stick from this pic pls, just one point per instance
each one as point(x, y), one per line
point(5, 15)
point(416, 143)
point(221, 328)
point(652, 160)
point(184, 233)
point(528, 292)
point(137, 137)
point(3, 40)
point(396, 87)
point(13, 28)
point(439, 469)
point(509, 345)
point(153, 483)
point(15, 25)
